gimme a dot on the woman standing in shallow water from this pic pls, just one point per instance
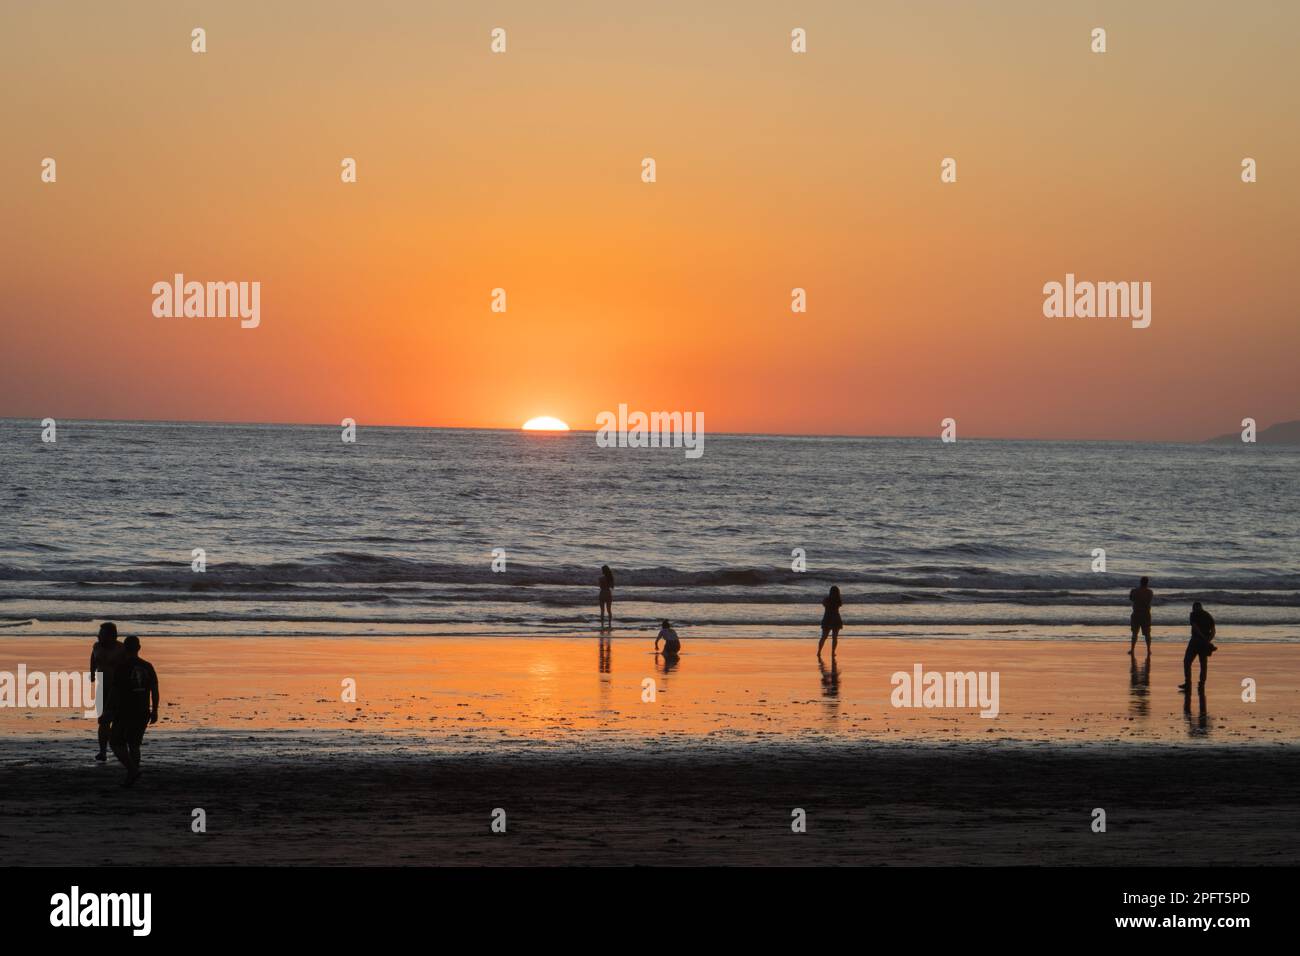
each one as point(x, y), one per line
point(831, 620)
point(606, 596)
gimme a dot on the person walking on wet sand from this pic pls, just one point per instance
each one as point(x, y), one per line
point(1140, 597)
point(831, 620)
point(1201, 645)
point(672, 646)
point(606, 596)
point(135, 706)
point(103, 660)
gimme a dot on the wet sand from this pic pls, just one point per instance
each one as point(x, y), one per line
point(741, 732)
point(465, 693)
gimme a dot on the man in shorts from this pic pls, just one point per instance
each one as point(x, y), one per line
point(1140, 597)
point(135, 706)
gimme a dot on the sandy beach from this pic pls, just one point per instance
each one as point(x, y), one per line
point(740, 733)
point(309, 802)
point(462, 694)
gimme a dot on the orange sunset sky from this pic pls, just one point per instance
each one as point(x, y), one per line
point(775, 171)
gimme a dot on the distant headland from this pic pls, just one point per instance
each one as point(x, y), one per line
point(1283, 433)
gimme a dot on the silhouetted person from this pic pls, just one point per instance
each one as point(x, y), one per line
point(103, 659)
point(606, 596)
point(1201, 645)
point(135, 705)
point(1140, 597)
point(672, 645)
point(831, 620)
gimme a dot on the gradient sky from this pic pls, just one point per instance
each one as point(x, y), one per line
point(775, 170)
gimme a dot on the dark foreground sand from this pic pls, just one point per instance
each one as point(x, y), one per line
point(867, 803)
point(556, 731)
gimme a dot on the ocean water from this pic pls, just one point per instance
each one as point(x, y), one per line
point(395, 534)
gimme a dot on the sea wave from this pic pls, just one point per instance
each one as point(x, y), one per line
point(690, 617)
point(915, 581)
point(206, 591)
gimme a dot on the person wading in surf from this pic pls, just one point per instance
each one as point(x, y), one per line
point(606, 596)
point(831, 620)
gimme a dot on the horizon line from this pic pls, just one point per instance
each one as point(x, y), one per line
point(592, 431)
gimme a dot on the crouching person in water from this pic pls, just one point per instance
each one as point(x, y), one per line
point(135, 706)
point(672, 645)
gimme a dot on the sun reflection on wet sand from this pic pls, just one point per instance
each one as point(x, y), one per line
point(472, 690)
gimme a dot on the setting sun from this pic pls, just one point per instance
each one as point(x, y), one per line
point(545, 424)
